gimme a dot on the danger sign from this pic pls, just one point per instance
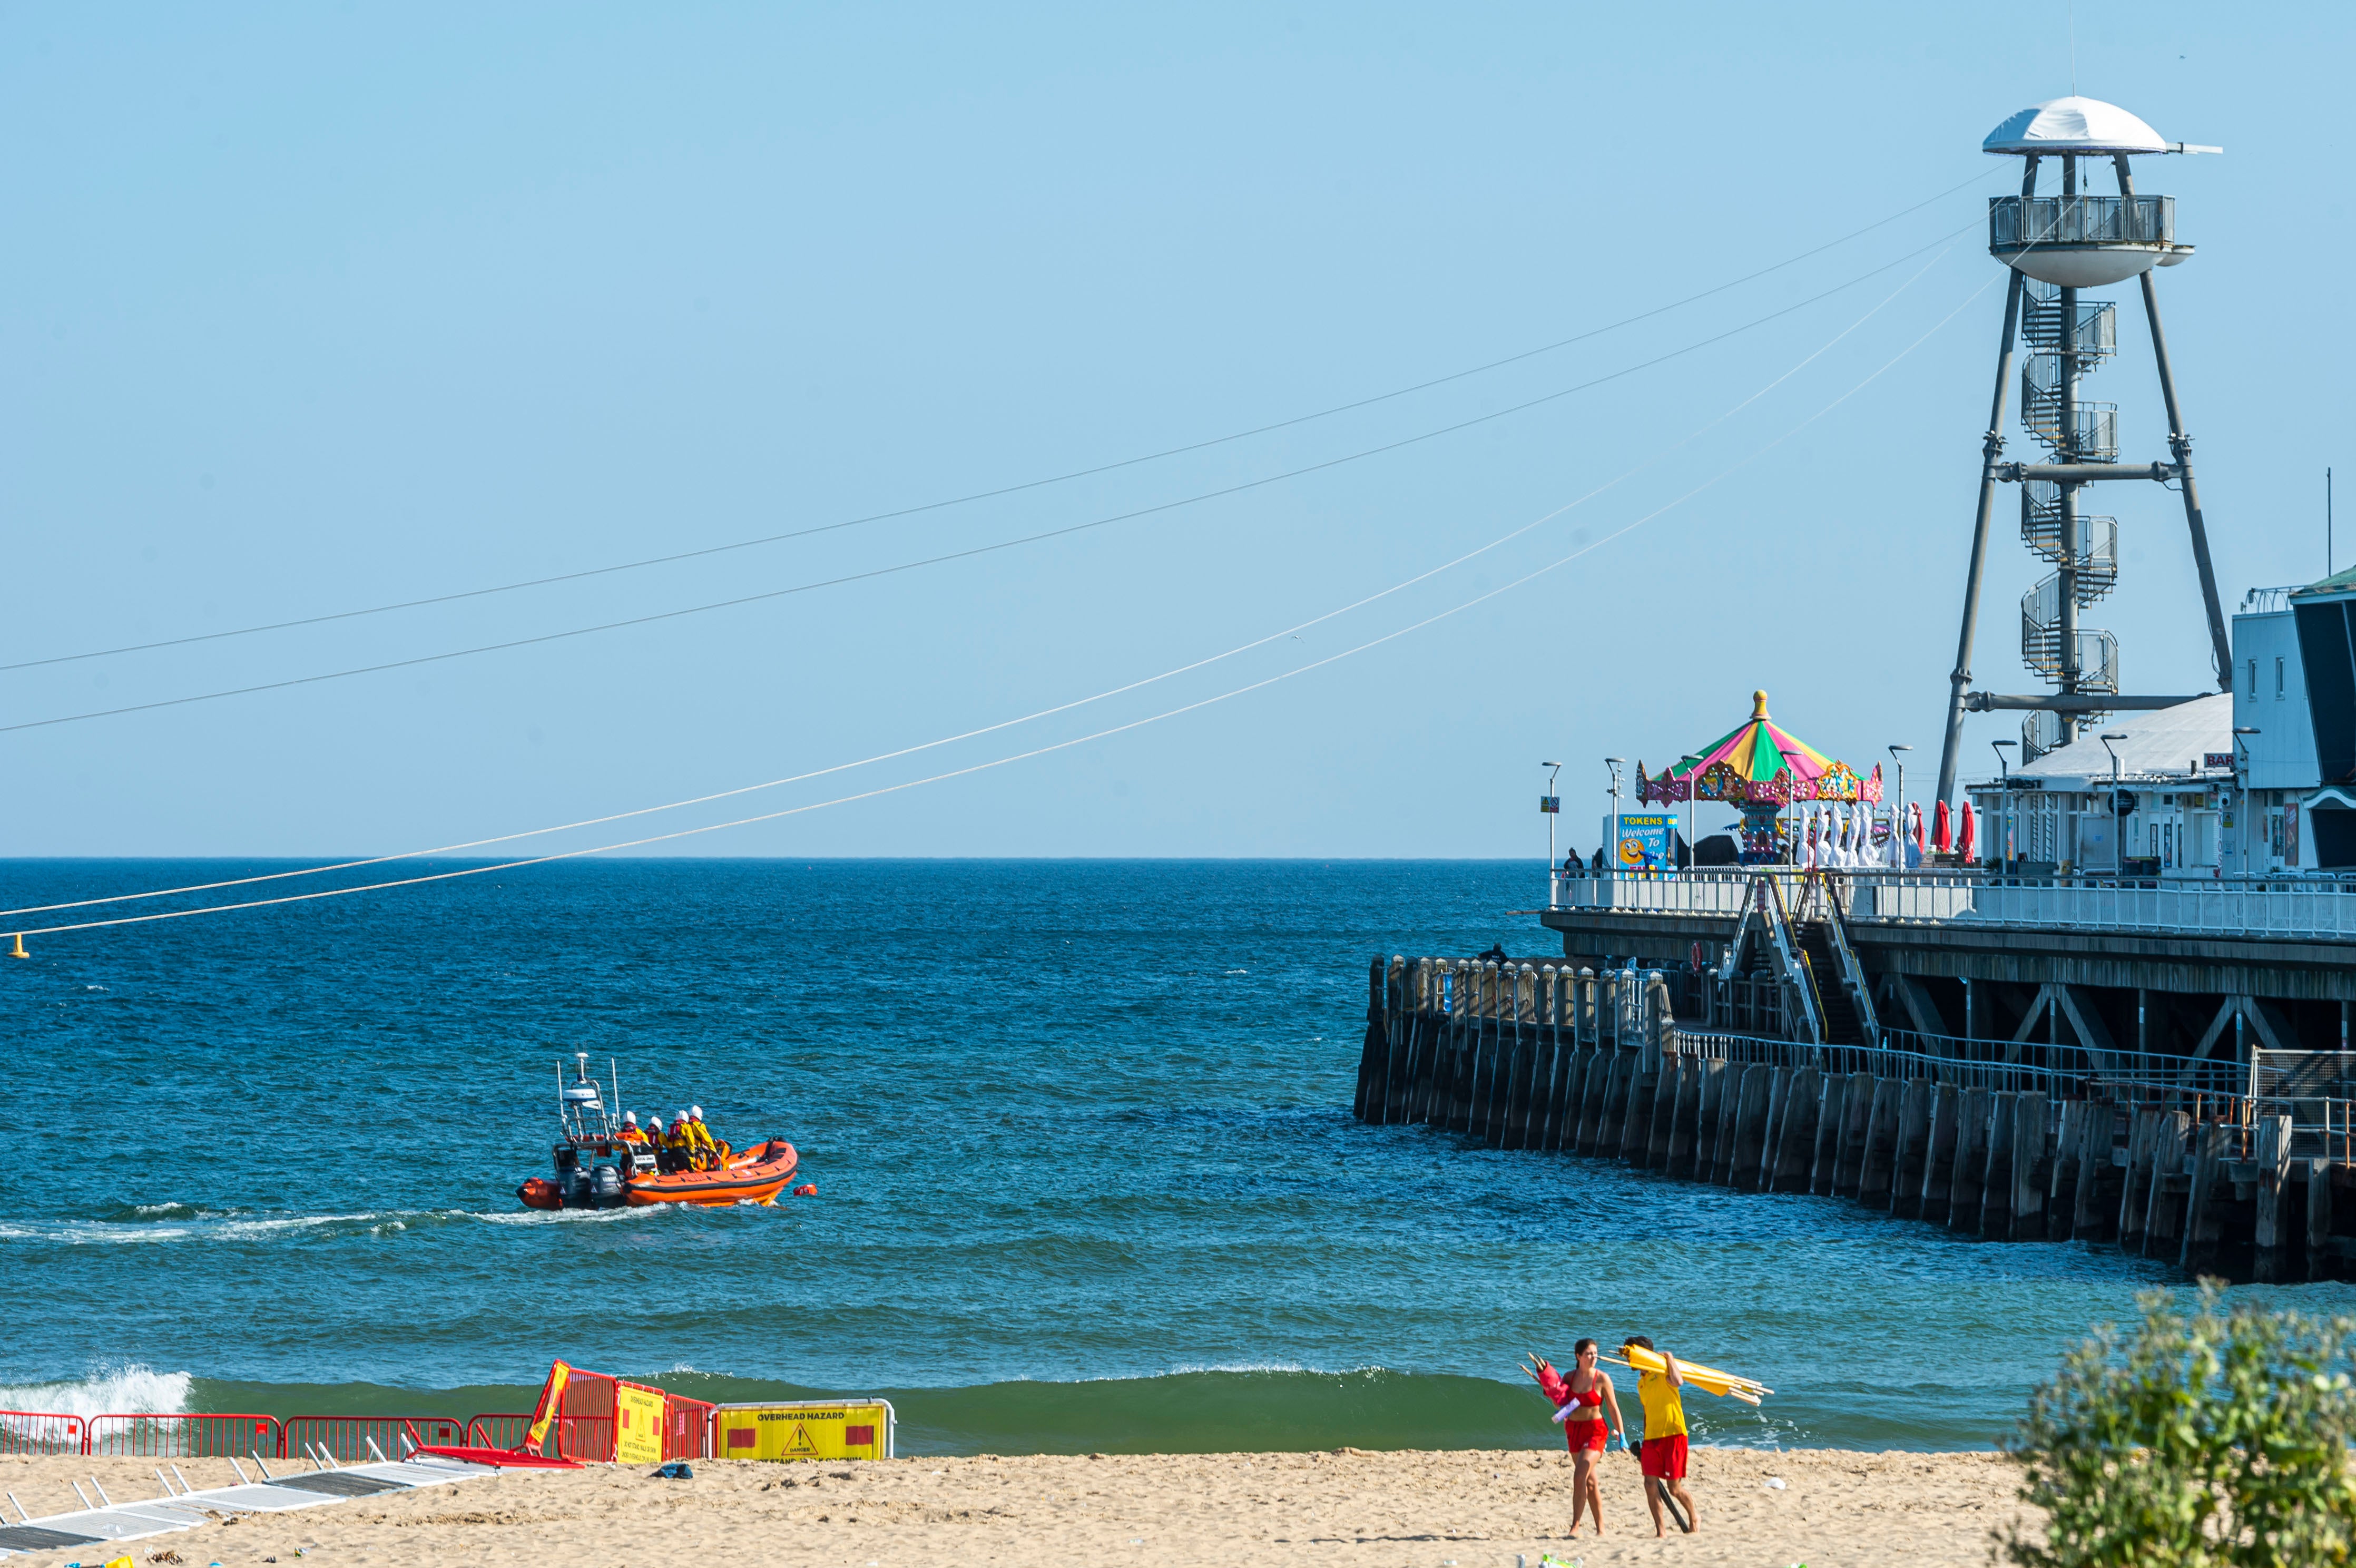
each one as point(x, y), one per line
point(807, 1430)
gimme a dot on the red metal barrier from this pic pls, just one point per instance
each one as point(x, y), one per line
point(346, 1437)
point(499, 1430)
point(687, 1428)
point(183, 1437)
point(585, 1421)
point(42, 1432)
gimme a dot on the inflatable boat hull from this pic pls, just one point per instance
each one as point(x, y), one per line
point(755, 1176)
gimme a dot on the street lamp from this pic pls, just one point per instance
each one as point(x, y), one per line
point(2118, 861)
point(1898, 812)
point(1611, 855)
point(1550, 804)
point(2241, 788)
point(2004, 782)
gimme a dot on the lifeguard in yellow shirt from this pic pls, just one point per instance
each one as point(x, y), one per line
point(1663, 1456)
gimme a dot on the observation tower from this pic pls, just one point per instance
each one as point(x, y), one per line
point(2058, 246)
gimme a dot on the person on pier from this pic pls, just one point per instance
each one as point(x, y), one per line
point(1589, 1411)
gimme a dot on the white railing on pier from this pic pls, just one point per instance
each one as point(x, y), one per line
point(2322, 908)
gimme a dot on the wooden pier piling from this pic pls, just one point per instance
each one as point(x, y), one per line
point(1910, 1161)
point(1795, 1134)
point(1996, 1176)
point(1708, 1112)
point(1878, 1169)
point(2269, 1235)
point(2170, 1180)
point(2033, 1166)
point(1832, 1102)
point(1746, 1149)
point(1939, 1154)
point(1969, 1174)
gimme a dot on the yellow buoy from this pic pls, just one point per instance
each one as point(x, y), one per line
point(20, 952)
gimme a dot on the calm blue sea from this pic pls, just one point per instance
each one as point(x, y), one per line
point(1080, 1130)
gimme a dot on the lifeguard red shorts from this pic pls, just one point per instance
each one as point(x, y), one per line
point(1586, 1434)
point(1664, 1458)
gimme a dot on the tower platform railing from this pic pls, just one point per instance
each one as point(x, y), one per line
point(2015, 222)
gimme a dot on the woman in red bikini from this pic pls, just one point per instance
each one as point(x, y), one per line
point(1589, 1410)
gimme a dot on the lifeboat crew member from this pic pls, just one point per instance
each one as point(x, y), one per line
point(678, 1147)
point(630, 1133)
point(708, 1151)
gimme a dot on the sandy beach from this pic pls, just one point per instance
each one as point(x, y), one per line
point(1424, 1509)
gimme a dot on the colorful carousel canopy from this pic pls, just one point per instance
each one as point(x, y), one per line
point(1758, 761)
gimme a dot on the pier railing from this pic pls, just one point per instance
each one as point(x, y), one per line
point(2311, 907)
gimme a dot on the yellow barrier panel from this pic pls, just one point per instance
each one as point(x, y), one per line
point(857, 1429)
point(637, 1424)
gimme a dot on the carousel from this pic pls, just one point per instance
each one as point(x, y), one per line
point(1798, 806)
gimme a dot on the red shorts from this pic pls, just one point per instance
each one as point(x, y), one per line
point(1586, 1434)
point(1664, 1458)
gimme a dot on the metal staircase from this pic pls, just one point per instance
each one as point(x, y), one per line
point(2075, 340)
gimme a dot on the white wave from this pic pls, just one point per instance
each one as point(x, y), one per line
point(569, 1215)
point(75, 1233)
point(130, 1390)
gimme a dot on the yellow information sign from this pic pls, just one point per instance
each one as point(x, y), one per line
point(637, 1424)
point(807, 1430)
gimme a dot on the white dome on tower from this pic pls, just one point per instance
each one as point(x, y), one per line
point(2074, 125)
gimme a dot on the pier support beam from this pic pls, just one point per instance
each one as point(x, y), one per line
point(2163, 1219)
point(2320, 1260)
point(1685, 1118)
point(2270, 1237)
point(1795, 1137)
point(1876, 1179)
point(1939, 1154)
point(1968, 1177)
point(2135, 1192)
point(2071, 1120)
point(1636, 1114)
point(2095, 1212)
point(1668, 1080)
point(2032, 1167)
point(1995, 1179)
point(1709, 1110)
point(1831, 1111)
point(1747, 1149)
point(1607, 1088)
point(1911, 1158)
point(2204, 1228)
point(1611, 1115)
point(1856, 1117)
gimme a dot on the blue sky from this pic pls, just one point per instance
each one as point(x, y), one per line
point(310, 309)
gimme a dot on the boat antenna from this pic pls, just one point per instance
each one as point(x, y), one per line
point(616, 1108)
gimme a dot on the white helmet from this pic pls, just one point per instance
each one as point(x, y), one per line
point(680, 1117)
point(695, 1112)
point(629, 1118)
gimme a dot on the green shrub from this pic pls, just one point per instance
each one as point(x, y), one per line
point(2214, 1440)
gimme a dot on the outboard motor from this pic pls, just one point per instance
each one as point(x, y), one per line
point(605, 1188)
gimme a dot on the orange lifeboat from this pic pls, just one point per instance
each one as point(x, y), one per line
point(635, 1177)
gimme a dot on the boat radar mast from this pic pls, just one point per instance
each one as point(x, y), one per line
point(2056, 246)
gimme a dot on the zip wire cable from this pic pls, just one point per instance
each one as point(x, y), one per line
point(1004, 489)
point(1057, 746)
point(990, 549)
point(1685, 440)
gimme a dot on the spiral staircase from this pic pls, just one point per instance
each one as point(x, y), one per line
point(2089, 334)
